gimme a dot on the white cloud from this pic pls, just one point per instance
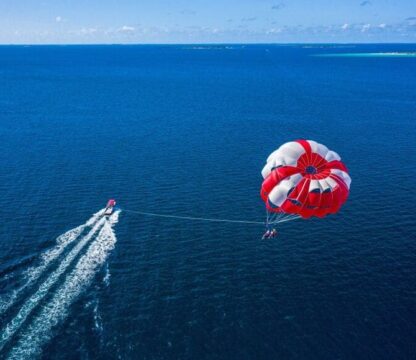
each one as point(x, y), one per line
point(382, 26)
point(274, 31)
point(345, 26)
point(88, 31)
point(365, 27)
point(126, 29)
point(58, 19)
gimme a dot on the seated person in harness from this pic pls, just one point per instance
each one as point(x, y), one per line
point(270, 234)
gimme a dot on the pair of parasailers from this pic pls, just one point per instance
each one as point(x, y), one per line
point(270, 234)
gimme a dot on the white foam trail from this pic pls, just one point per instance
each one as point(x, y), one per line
point(14, 325)
point(61, 243)
point(98, 323)
point(54, 312)
point(33, 273)
point(106, 278)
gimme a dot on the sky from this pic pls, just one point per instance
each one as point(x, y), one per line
point(206, 21)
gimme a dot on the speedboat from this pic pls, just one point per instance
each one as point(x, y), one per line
point(110, 207)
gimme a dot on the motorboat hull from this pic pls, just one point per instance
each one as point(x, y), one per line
point(110, 207)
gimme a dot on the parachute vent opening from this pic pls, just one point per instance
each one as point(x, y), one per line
point(311, 170)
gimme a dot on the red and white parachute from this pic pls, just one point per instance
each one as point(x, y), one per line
point(303, 178)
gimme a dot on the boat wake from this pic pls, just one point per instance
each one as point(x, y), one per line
point(35, 332)
point(46, 259)
point(61, 243)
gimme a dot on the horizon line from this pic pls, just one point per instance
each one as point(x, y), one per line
point(210, 43)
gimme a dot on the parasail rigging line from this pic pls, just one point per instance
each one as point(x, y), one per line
point(199, 218)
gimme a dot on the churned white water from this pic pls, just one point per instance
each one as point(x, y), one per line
point(14, 325)
point(56, 310)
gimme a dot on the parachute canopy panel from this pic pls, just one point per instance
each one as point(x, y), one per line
point(304, 178)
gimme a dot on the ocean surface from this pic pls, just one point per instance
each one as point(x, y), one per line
point(185, 130)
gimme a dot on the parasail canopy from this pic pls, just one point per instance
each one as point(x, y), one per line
point(304, 178)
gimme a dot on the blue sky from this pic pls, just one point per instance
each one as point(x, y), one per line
point(203, 21)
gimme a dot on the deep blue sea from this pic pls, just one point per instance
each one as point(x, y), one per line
point(185, 130)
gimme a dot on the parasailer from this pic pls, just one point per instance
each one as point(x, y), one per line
point(303, 179)
point(270, 234)
point(267, 234)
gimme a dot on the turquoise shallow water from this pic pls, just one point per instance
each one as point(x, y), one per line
point(370, 54)
point(184, 130)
